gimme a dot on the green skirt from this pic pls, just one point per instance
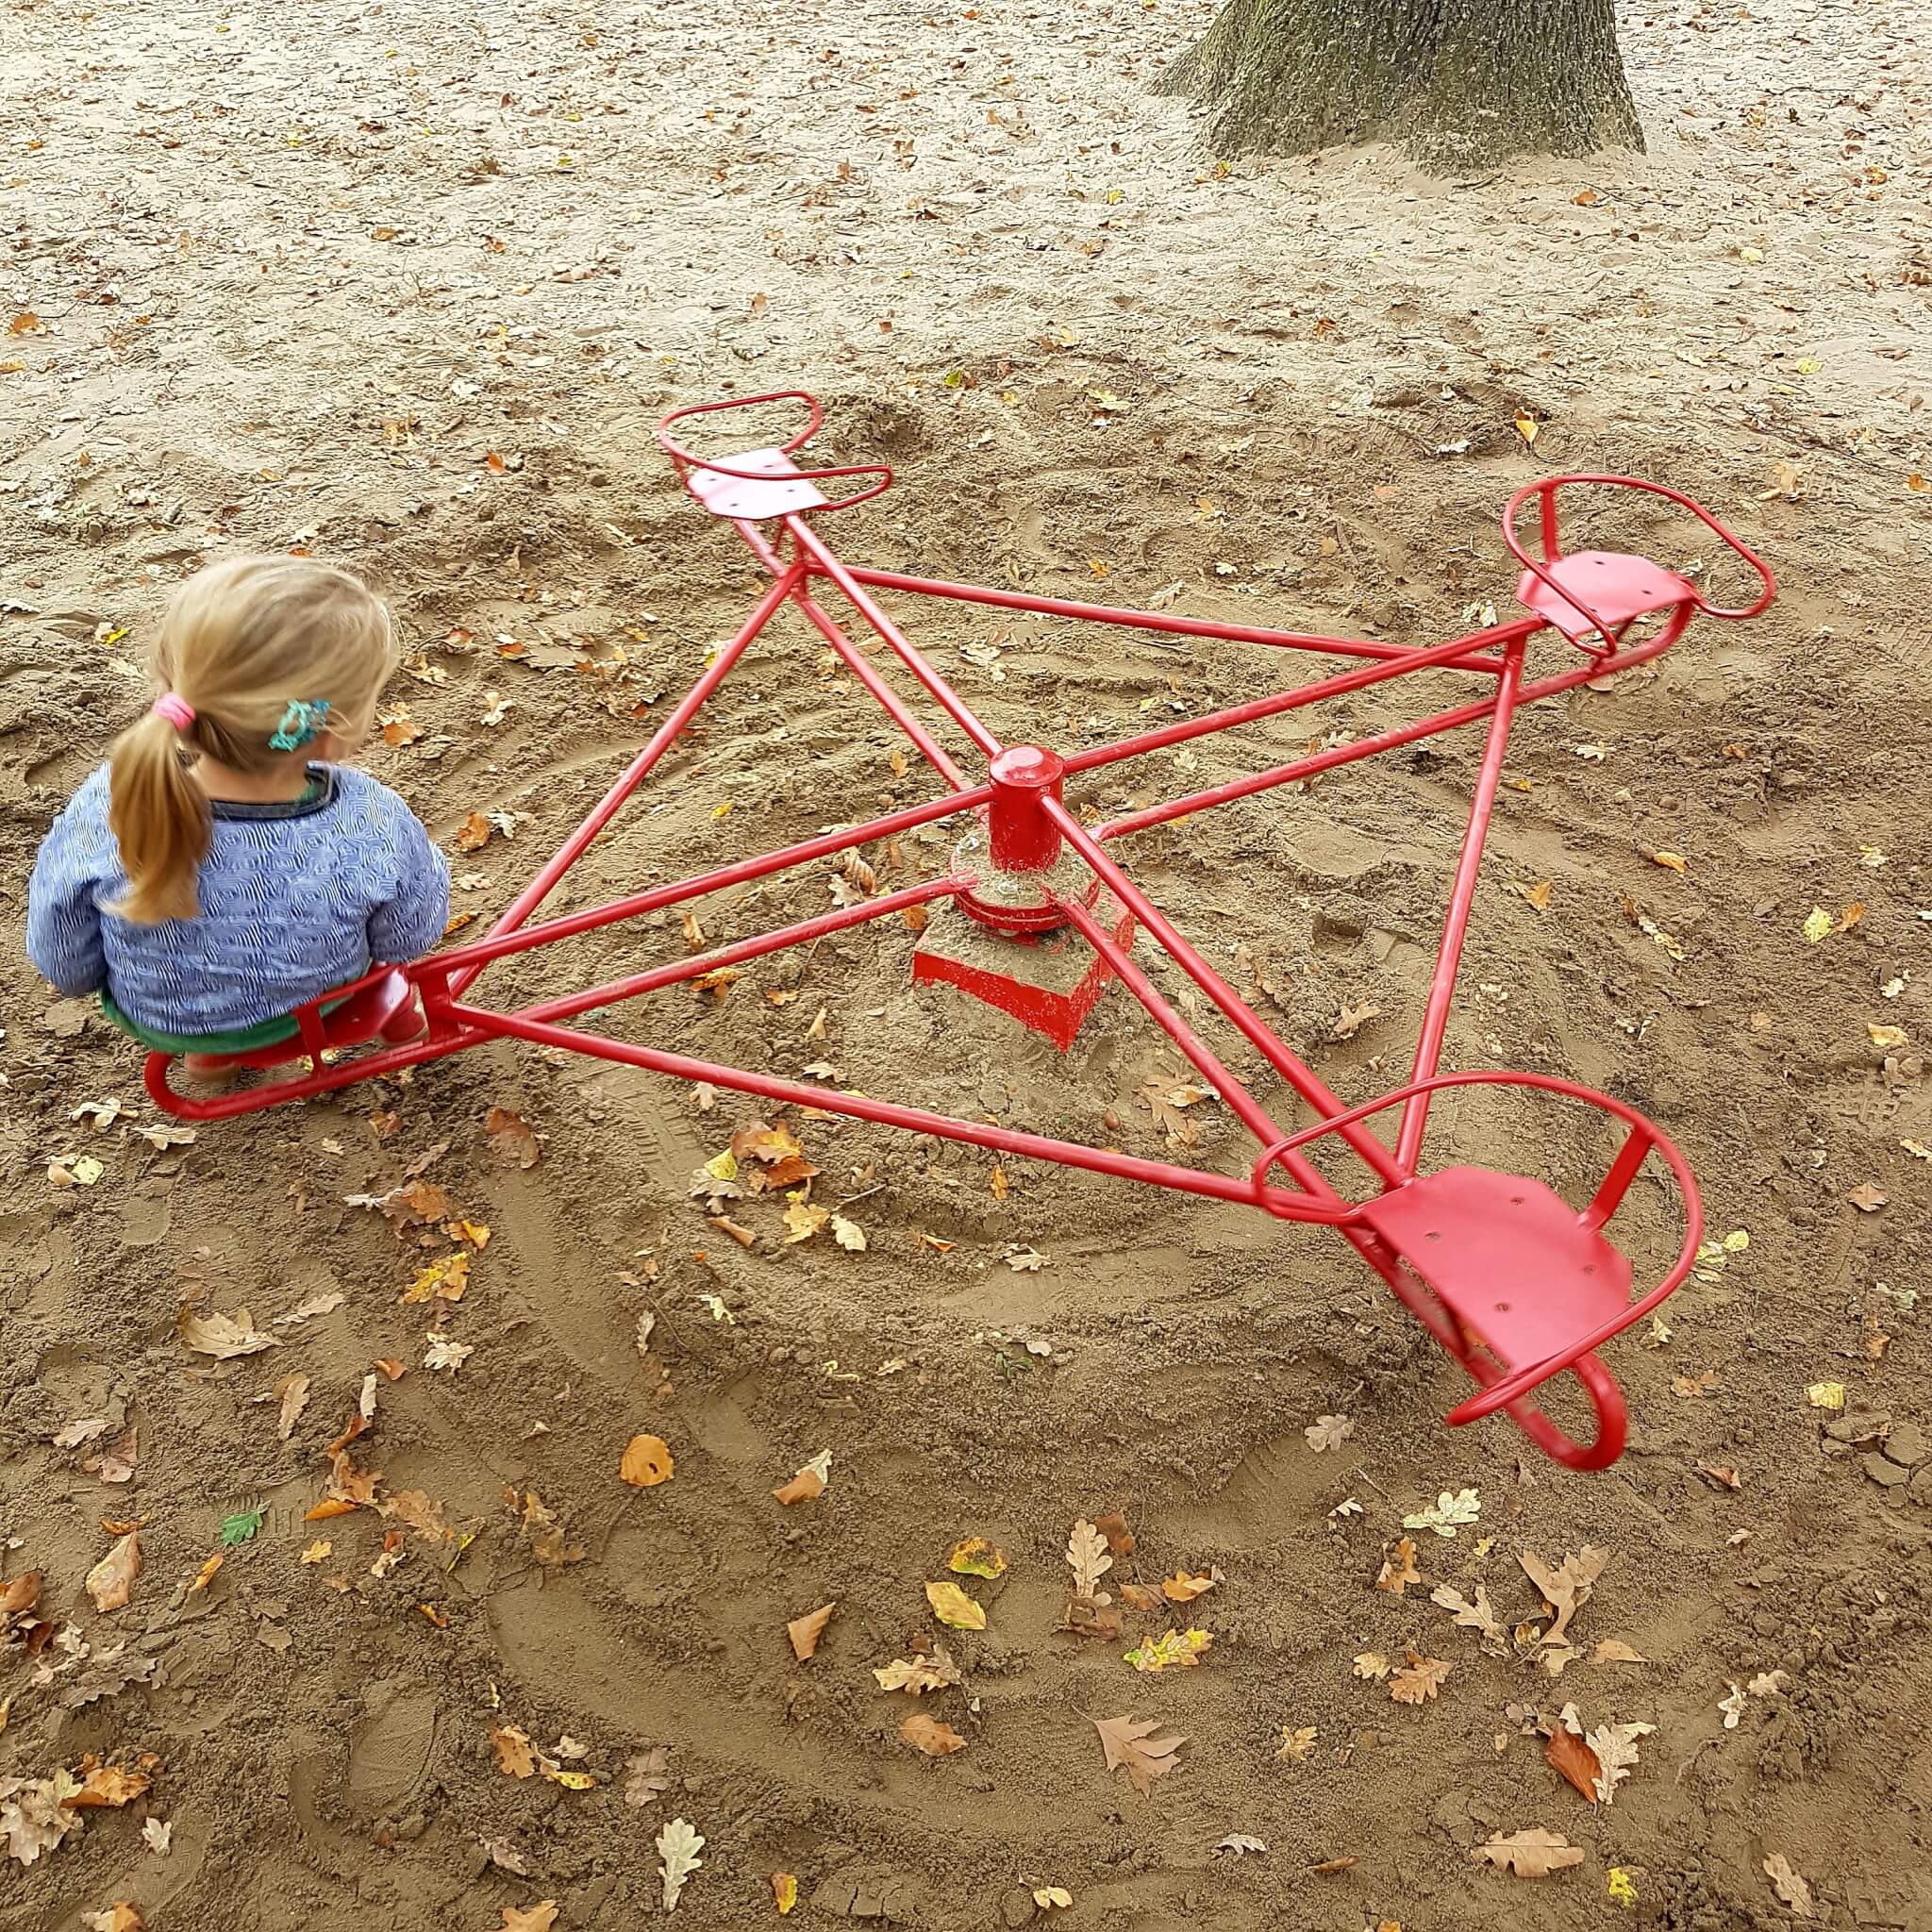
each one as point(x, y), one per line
point(238, 1039)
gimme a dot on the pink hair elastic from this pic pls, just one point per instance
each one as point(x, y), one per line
point(177, 710)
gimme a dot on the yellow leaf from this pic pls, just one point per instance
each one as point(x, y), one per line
point(1818, 923)
point(1052, 1897)
point(803, 1218)
point(1808, 366)
point(1915, 482)
point(1885, 1036)
point(723, 1167)
point(953, 1608)
point(1526, 427)
point(573, 1780)
point(783, 1891)
point(646, 1463)
point(317, 1552)
point(1098, 567)
point(1826, 1395)
point(1623, 1888)
point(1538, 895)
point(1670, 861)
point(723, 812)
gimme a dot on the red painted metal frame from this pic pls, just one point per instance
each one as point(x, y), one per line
point(1031, 831)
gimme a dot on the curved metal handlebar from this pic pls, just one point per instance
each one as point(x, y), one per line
point(1644, 1135)
point(687, 460)
point(1552, 548)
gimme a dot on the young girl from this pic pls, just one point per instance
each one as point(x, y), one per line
point(219, 871)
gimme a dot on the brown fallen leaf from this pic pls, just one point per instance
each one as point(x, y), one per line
point(515, 1755)
point(803, 1488)
point(540, 1917)
point(1181, 1588)
point(106, 1786)
point(206, 1574)
point(223, 1336)
point(927, 1734)
point(1088, 1558)
point(1398, 1571)
point(1570, 1755)
point(1868, 1197)
point(292, 1392)
point(646, 1463)
point(1532, 1854)
point(1138, 1596)
point(474, 833)
point(1419, 1680)
point(1788, 1885)
point(1567, 1588)
point(111, 1582)
point(121, 1916)
point(1718, 1476)
point(916, 1675)
point(1327, 1868)
point(806, 1631)
point(1131, 1746)
point(1613, 1650)
point(512, 1136)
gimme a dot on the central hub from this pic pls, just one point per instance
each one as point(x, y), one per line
point(1016, 846)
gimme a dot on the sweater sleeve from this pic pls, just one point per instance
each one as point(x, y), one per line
point(412, 922)
point(63, 920)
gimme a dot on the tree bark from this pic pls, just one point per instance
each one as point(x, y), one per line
point(1462, 82)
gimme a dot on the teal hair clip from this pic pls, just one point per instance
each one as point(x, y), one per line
point(302, 723)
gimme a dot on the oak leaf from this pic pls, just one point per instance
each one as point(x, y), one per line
point(515, 1755)
point(1419, 1680)
point(1567, 1588)
point(808, 1482)
point(537, 1917)
point(1479, 1615)
point(120, 1916)
point(917, 1674)
point(106, 1786)
point(678, 1844)
point(1788, 1885)
point(1398, 1571)
point(224, 1335)
point(1328, 1432)
point(1532, 1854)
point(649, 1775)
point(1181, 1588)
point(1131, 1746)
point(1087, 1556)
point(511, 1136)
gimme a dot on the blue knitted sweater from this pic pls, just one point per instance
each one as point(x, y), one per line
point(295, 899)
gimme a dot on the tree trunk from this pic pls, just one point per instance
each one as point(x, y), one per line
point(1461, 81)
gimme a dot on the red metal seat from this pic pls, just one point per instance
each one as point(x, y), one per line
point(1511, 1259)
point(1607, 588)
point(383, 1009)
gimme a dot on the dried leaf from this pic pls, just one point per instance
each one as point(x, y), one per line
point(809, 1483)
point(512, 1136)
point(1419, 1681)
point(917, 1674)
point(1182, 1588)
point(223, 1336)
point(1398, 1571)
point(292, 1390)
point(158, 1836)
point(1479, 1615)
point(106, 1786)
point(649, 1776)
point(927, 1734)
point(1088, 1557)
point(1789, 1886)
point(1569, 1754)
point(1567, 1588)
point(111, 1582)
point(806, 1631)
point(1537, 894)
point(646, 1463)
point(121, 1916)
point(1532, 1854)
point(783, 1891)
point(801, 1217)
point(34, 1817)
point(953, 1606)
point(1131, 1746)
point(1297, 1745)
point(515, 1755)
point(848, 1234)
point(1868, 1197)
point(1615, 1746)
point(1372, 1664)
point(678, 1845)
point(1328, 1432)
point(1446, 1513)
point(540, 1917)
point(1612, 1651)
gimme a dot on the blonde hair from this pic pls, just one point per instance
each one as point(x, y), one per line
point(244, 642)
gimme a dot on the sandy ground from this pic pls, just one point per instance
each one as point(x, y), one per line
point(408, 286)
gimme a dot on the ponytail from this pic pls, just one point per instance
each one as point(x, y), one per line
point(160, 820)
